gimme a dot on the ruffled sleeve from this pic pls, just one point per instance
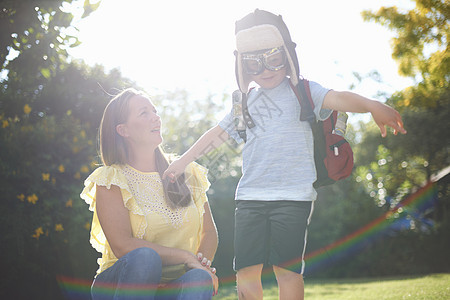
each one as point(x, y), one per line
point(198, 183)
point(106, 176)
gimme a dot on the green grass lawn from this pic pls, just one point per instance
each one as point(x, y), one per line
point(430, 287)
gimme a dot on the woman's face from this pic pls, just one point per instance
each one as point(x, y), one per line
point(143, 125)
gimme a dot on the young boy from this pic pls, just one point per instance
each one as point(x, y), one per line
point(275, 195)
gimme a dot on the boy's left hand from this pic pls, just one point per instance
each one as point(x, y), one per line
point(175, 169)
point(385, 115)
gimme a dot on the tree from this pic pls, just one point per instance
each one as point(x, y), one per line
point(422, 43)
point(40, 25)
point(393, 168)
point(50, 111)
point(422, 49)
point(46, 153)
point(390, 169)
point(33, 43)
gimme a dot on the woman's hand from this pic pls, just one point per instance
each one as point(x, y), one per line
point(205, 262)
point(215, 280)
point(194, 263)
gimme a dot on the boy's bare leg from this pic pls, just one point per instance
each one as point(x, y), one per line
point(290, 284)
point(249, 286)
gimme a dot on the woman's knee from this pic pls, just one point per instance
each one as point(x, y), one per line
point(144, 260)
point(199, 276)
point(197, 283)
point(144, 255)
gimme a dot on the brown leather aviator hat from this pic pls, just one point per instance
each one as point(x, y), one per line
point(262, 30)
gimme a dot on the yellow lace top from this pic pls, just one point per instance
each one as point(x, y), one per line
point(151, 218)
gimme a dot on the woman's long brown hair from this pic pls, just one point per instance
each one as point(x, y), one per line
point(113, 149)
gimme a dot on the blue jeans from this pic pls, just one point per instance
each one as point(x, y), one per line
point(137, 275)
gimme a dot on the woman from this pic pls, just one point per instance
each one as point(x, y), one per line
point(157, 238)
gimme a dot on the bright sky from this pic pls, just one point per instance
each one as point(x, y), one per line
point(165, 45)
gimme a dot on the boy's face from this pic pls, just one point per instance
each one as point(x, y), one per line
point(266, 67)
point(269, 79)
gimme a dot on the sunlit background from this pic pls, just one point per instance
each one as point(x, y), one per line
point(165, 45)
point(390, 218)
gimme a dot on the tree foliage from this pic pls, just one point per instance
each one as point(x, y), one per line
point(40, 27)
point(49, 114)
point(389, 170)
point(47, 151)
point(393, 168)
point(422, 43)
point(422, 48)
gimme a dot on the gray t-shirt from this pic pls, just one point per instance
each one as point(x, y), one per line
point(278, 157)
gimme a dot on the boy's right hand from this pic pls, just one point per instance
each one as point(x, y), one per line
point(175, 169)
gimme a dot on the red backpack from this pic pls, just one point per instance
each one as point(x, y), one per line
point(333, 155)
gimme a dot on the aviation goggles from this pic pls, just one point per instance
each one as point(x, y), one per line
point(255, 63)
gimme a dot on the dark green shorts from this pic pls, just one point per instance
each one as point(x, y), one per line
point(271, 233)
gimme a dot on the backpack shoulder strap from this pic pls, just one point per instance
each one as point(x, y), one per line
point(247, 118)
point(303, 94)
point(242, 118)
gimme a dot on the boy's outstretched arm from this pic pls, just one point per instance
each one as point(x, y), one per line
point(382, 114)
point(209, 141)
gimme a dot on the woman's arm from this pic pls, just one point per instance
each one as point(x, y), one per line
point(382, 114)
point(208, 245)
point(209, 238)
point(115, 222)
